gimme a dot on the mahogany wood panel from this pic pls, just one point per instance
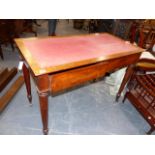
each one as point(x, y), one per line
point(77, 76)
point(71, 78)
point(7, 78)
point(142, 110)
point(4, 100)
point(141, 93)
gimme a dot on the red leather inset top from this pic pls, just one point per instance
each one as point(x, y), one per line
point(55, 51)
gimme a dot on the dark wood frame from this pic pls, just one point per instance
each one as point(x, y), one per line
point(13, 89)
point(140, 87)
point(131, 70)
point(146, 35)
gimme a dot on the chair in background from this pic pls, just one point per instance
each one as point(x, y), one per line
point(130, 33)
point(28, 26)
point(141, 92)
point(143, 33)
point(6, 35)
point(13, 28)
point(147, 38)
point(139, 80)
point(24, 26)
point(121, 28)
point(100, 25)
point(145, 42)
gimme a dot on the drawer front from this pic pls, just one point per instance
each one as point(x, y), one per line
point(75, 77)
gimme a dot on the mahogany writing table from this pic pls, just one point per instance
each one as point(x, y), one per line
point(59, 63)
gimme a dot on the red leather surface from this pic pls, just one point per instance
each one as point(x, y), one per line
point(55, 51)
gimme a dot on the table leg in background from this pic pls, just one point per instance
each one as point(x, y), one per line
point(127, 76)
point(27, 82)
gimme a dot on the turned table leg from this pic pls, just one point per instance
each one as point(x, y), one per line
point(27, 82)
point(43, 98)
point(43, 85)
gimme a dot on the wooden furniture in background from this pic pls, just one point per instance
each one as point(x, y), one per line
point(140, 32)
point(78, 23)
point(6, 98)
point(146, 40)
point(71, 61)
point(100, 25)
point(143, 64)
point(141, 87)
point(24, 26)
point(6, 35)
point(122, 28)
point(28, 26)
point(6, 76)
point(141, 93)
point(13, 28)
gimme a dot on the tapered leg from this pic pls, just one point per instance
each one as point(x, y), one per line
point(125, 97)
point(127, 76)
point(43, 98)
point(27, 82)
point(43, 84)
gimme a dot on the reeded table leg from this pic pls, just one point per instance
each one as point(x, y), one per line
point(27, 82)
point(127, 76)
point(43, 91)
point(43, 98)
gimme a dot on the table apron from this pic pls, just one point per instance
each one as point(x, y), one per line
point(74, 77)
